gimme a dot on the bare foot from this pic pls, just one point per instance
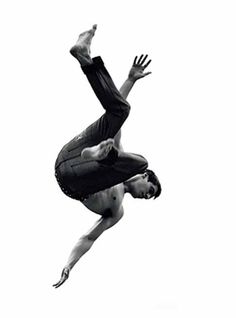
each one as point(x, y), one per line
point(98, 152)
point(81, 50)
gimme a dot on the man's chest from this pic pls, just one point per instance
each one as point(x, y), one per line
point(110, 199)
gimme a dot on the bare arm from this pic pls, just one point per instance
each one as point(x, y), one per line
point(86, 241)
point(136, 72)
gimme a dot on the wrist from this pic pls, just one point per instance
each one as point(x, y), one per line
point(131, 79)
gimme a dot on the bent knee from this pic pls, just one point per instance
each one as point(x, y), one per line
point(126, 109)
point(123, 109)
point(142, 163)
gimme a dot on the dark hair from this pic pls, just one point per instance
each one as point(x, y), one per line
point(153, 179)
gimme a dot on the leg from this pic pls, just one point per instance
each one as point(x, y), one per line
point(117, 109)
point(82, 177)
point(98, 152)
point(81, 50)
point(78, 178)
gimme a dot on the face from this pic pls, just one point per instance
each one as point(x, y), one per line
point(142, 188)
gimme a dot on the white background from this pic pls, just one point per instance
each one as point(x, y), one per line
point(173, 257)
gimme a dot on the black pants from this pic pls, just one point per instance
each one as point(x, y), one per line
point(77, 177)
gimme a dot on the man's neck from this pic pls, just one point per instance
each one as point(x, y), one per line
point(128, 183)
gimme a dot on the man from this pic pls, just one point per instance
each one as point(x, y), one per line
point(92, 167)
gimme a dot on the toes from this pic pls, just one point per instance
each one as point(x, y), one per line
point(103, 144)
point(94, 28)
point(107, 142)
point(92, 31)
point(108, 149)
point(110, 141)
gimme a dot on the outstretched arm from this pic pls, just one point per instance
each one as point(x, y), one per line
point(136, 72)
point(86, 241)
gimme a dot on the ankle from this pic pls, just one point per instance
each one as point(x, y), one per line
point(84, 59)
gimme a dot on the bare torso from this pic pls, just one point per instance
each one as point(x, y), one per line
point(109, 199)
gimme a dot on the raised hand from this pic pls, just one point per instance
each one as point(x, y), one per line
point(138, 67)
point(64, 276)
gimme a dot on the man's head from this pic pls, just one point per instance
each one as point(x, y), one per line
point(145, 186)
